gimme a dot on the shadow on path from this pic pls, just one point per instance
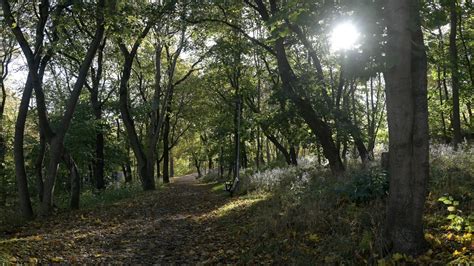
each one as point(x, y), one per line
point(175, 224)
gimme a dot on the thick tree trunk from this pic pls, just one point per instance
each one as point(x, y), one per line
point(407, 113)
point(453, 58)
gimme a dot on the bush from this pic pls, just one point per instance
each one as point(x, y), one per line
point(366, 185)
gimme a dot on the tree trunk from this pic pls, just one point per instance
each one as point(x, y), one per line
point(99, 161)
point(20, 171)
point(453, 58)
point(267, 150)
point(210, 162)
point(171, 164)
point(321, 129)
point(440, 91)
point(3, 145)
point(39, 166)
point(293, 156)
point(407, 111)
point(166, 154)
point(97, 108)
point(145, 163)
point(221, 162)
point(74, 179)
point(57, 140)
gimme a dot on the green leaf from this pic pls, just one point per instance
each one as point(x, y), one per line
point(451, 208)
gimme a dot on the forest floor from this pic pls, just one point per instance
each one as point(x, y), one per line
point(184, 222)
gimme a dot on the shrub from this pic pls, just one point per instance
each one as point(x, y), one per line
point(366, 185)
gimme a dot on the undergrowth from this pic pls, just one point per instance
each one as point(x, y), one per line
point(10, 219)
point(310, 218)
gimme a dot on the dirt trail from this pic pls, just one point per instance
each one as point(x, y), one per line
point(175, 224)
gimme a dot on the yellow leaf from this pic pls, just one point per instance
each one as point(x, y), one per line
point(33, 260)
point(314, 237)
point(57, 259)
point(37, 238)
point(397, 256)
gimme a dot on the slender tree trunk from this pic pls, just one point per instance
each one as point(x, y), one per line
point(74, 179)
point(143, 163)
point(3, 146)
point(39, 166)
point(158, 168)
point(166, 154)
point(267, 150)
point(210, 163)
point(221, 162)
point(440, 91)
point(97, 108)
point(279, 147)
point(171, 164)
point(453, 57)
point(98, 162)
point(407, 111)
point(57, 141)
point(322, 130)
point(20, 171)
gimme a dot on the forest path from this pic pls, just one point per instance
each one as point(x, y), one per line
point(184, 222)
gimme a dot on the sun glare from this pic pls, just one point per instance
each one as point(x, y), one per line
point(344, 37)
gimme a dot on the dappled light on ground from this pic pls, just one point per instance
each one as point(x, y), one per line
point(177, 224)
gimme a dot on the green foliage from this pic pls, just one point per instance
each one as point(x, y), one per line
point(457, 220)
point(366, 185)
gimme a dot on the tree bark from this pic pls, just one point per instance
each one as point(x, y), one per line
point(74, 180)
point(39, 166)
point(166, 164)
point(20, 171)
point(143, 163)
point(407, 111)
point(453, 58)
point(98, 161)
